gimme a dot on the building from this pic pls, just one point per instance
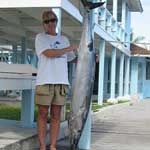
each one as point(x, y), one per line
point(20, 21)
point(140, 72)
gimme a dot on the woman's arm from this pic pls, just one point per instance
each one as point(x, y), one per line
point(58, 52)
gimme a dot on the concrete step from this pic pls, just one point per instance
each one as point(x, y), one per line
point(15, 137)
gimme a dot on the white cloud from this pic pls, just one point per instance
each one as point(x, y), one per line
point(140, 22)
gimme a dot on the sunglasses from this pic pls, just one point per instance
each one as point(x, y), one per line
point(50, 20)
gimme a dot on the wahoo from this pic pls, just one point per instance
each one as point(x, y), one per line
point(84, 81)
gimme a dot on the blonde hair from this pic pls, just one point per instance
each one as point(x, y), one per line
point(47, 13)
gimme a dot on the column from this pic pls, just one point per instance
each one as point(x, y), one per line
point(14, 55)
point(101, 71)
point(23, 52)
point(115, 8)
point(35, 60)
point(113, 73)
point(121, 74)
point(127, 74)
point(27, 108)
point(123, 19)
point(27, 105)
point(134, 76)
point(143, 77)
point(105, 77)
point(128, 27)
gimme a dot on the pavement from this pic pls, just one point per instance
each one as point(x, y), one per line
point(122, 127)
point(119, 127)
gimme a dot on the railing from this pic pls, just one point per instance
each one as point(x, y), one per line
point(5, 56)
point(110, 25)
point(8, 56)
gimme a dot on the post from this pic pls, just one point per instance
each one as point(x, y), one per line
point(27, 109)
point(23, 52)
point(27, 105)
point(134, 76)
point(14, 56)
point(106, 77)
point(128, 28)
point(113, 73)
point(115, 9)
point(127, 75)
point(121, 74)
point(123, 19)
point(101, 72)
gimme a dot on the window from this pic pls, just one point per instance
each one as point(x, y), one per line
point(147, 70)
point(139, 71)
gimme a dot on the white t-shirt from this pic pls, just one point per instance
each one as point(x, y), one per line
point(52, 70)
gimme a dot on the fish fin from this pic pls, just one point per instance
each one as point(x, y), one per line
point(90, 46)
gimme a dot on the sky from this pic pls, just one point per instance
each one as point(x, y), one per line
point(140, 22)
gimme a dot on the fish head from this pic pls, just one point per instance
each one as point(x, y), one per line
point(89, 5)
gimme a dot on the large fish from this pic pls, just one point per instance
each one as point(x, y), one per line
point(83, 83)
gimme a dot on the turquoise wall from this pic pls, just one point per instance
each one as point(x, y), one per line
point(139, 83)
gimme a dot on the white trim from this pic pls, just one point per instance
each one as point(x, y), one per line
point(17, 83)
point(65, 4)
point(138, 55)
point(71, 9)
point(29, 3)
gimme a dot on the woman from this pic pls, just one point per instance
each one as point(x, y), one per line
point(53, 52)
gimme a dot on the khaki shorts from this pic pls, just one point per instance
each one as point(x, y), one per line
point(51, 94)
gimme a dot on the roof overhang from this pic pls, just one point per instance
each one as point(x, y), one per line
point(135, 5)
point(139, 55)
point(29, 3)
point(23, 19)
point(65, 4)
point(137, 51)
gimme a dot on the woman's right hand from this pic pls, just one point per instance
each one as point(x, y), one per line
point(72, 48)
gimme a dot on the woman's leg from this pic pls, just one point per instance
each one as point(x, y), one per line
point(54, 125)
point(42, 125)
